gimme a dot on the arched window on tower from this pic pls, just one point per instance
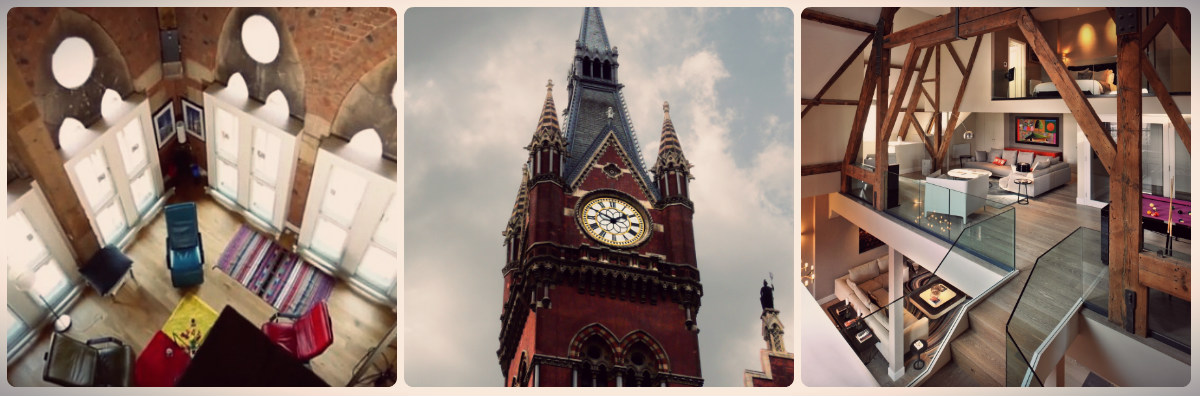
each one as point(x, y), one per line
point(607, 70)
point(587, 67)
point(641, 366)
point(597, 363)
point(596, 68)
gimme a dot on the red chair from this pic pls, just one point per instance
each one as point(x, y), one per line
point(306, 336)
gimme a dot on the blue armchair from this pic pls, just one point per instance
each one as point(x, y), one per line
point(185, 249)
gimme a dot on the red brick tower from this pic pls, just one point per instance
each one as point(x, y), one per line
point(601, 282)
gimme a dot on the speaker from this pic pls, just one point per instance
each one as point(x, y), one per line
point(1104, 234)
point(170, 45)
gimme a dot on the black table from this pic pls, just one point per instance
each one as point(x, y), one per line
point(850, 333)
point(237, 353)
point(1023, 190)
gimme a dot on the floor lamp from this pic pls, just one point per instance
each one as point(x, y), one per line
point(24, 282)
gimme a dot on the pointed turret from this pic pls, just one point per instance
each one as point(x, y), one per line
point(547, 146)
point(594, 58)
point(672, 170)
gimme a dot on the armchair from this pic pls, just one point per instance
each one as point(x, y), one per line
point(97, 362)
point(307, 336)
point(955, 197)
point(185, 248)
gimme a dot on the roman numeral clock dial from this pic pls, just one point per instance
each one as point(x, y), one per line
point(614, 222)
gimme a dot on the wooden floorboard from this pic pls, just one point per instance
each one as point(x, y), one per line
point(140, 308)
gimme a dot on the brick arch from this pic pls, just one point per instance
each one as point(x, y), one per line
point(36, 42)
point(574, 350)
point(369, 105)
point(636, 336)
point(285, 73)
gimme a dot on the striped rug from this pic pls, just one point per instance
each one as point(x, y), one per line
point(280, 277)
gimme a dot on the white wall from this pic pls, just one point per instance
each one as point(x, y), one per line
point(833, 244)
point(1118, 357)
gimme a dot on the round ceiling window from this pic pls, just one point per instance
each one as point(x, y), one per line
point(72, 62)
point(260, 39)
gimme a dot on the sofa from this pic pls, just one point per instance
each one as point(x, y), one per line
point(1047, 176)
point(865, 288)
point(955, 197)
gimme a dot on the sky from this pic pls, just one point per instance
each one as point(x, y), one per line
point(474, 85)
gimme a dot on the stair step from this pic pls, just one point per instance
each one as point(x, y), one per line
point(988, 318)
point(981, 357)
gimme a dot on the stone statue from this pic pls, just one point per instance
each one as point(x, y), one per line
point(610, 112)
point(766, 296)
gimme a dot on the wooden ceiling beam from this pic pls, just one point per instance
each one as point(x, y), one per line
point(817, 102)
point(1125, 184)
point(834, 20)
point(1153, 28)
point(912, 103)
point(957, 60)
point(944, 145)
point(1180, 22)
point(1168, 102)
point(816, 169)
point(973, 21)
point(841, 69)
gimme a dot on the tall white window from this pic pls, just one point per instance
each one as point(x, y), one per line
point(137, 161)
point(28, 253)
point(378, 265)
point(264, 172)
point(96, 179)
point(227, 153)
point(339, 204)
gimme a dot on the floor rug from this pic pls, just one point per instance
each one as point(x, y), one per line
point(998, 197)
point(189, 323)
point(280, 277)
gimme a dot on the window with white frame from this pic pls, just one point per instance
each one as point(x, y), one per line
point(264, 172)
point(378, 265)
point(339, 204)
point(227, 153)
point(28, 254)
point(133, 152)
point(98, 188)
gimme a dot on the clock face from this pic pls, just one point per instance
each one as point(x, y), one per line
point(613, 222)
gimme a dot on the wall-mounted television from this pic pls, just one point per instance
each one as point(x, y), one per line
point(1043, 131)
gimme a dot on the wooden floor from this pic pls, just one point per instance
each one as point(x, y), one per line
point(980, 352)
point(140, 308)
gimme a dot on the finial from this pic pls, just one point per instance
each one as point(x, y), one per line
point(549, 84)
point(666, 109)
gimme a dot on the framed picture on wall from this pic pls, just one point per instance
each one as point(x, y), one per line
point(866, 241)
point(193, 119)
point(164, 124)
point(1042, 131)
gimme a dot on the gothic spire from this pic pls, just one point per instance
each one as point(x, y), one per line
point(516, 220)
point(592, 36)
point(670, 152)
point(548, 131)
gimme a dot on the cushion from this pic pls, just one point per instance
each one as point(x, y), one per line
point(1049, 158)
point(981, 156)
point(1085, 75)
point(1041, 163)
point(1009, 156)
point(1025, 156)
point(882, 280)
point(864, 272)
point(880, 297)
point(999, 161)
point(870, 286)
point(995, 153)
point(862, 296)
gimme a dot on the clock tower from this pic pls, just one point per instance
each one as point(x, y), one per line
point(601, 285)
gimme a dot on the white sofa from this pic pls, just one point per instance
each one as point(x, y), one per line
point(870, 281)
point(955, 197)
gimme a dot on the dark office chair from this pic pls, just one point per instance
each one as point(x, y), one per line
point(107, 270)
point(97, 362)
point(185, 249)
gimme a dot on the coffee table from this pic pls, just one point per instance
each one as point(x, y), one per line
point(161, 363)
point(969, 173)
point(948, 299)
point(863, 347)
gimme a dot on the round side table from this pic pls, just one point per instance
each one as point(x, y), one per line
point(1023, 190)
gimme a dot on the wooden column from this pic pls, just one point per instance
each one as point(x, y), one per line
point(28, 136)
point(870, 81)
point(1126, 184)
